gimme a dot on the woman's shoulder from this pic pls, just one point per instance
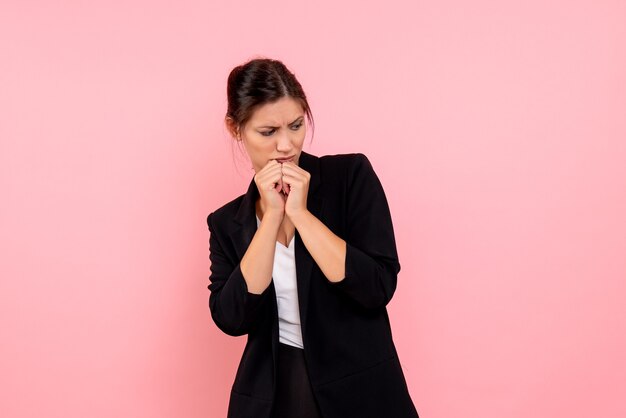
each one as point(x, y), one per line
point(350, 164)
point(343, 158)
point(346, 161)
point(225, 212)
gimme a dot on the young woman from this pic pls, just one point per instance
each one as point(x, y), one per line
point(304, 264)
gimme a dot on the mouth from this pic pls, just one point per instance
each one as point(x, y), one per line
point(282, 160)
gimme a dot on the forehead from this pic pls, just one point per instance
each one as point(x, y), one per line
point(283, 111)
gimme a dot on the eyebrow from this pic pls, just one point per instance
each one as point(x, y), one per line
point(268, 126)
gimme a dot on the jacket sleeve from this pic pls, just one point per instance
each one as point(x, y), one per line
point(371, 266)
point(233, 308)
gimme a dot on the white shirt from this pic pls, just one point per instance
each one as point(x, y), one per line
point(285, 284)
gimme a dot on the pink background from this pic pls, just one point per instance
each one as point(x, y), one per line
point(498, 131)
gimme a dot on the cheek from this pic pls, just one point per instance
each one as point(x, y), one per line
point(259, 143)
point(301, 136)
point(265, 150)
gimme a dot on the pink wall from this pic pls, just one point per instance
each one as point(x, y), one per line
point(497, 130)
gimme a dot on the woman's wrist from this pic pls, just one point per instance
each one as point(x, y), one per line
point(298, 216)
point(273, 215)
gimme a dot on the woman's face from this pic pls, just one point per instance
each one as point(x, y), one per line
point(275, 132)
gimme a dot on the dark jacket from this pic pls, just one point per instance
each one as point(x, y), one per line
point(350, 355)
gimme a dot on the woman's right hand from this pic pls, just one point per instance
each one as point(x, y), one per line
point(269, 182)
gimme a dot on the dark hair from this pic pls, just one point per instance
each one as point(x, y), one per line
point(260, 81)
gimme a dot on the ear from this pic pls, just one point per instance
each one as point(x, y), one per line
point(232, 127)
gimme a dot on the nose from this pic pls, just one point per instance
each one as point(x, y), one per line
point(284, 143)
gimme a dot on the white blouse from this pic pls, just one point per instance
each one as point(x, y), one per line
point(285, 284)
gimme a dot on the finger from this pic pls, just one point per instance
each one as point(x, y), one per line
point(294, 169)
point(270, 177)
point(270, 167)
point(292, 164)
point(296, 173)
point(293, 182)
point(269, 183)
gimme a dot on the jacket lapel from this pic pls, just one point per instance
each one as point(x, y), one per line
point(304, 261)
point(245, 218)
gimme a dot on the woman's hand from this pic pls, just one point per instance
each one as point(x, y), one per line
point(296, 182)
point(270, 184)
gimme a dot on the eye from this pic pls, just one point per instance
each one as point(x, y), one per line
point(296, 127)
point(267, 133)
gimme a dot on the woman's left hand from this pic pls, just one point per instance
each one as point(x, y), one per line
point(298, 181)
